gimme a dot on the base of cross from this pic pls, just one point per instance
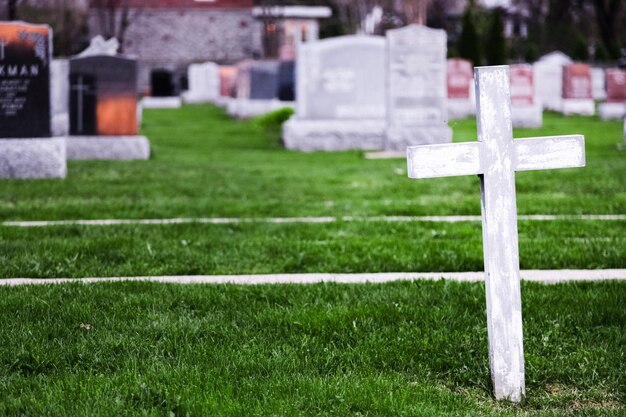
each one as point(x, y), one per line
point(33, 158)
point(108, 147)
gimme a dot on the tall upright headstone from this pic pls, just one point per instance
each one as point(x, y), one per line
point(615, 107)
point(577, 90)
point(103, 109)
point(417, 93)
point(340, 95)
point(548, 76)
point(460, 83)
point(204, 83)
point(525, 111)
point(27, 149)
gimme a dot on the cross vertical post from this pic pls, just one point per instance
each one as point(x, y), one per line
point(2, 45)
point(80, 89)
point(499, 223)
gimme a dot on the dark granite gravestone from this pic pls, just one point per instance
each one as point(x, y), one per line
point(24, 80)
point(287, 81)
point(162, 84)
point(264, 77)
point(103, 96)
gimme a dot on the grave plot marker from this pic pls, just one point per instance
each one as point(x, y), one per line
point(495, 158)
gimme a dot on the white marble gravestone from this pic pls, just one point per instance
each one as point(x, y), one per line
point(548, 74)
point(495, 158)
point(525, 110)
point(340, 95)
point(416, 87)
point(59, 94)
point(204, 83)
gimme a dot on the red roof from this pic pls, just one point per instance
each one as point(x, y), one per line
point(174, 4)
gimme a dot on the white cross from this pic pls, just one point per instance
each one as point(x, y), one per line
point(495, 158)
point(80, 89)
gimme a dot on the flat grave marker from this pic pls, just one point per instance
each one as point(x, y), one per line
point(495, 158)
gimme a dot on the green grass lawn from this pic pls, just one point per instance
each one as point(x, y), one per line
point(206, 165)
point(412, 348)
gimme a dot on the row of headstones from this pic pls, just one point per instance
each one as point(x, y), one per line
point(375, 93)
point(571, 88)
point(51, 111)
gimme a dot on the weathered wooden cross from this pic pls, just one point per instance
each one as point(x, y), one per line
point(495, 158)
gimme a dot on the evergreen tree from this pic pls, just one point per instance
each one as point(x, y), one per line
point(580, 51)
point(468, 44)
point(496, 52)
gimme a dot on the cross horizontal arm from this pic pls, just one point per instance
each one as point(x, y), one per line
point(550, 152)
point(445, 160)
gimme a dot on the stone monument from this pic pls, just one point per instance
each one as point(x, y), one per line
point(525, 111)
point(577, 90)
point(204, 83)
point(416, 93)
point(340, 95)
point(548, 77)
point(599, 83)
point(103, 109)
point(615, 107)
point(460, 83)
point(162, 90)
point(258, 87)
point(27, 149)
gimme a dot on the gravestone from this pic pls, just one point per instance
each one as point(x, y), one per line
point(163, 91)
point(287, 81)
point(459, 81)
point(59, 96)
point(615, 107)
point(258, 89)
point(495, 158)
point(162, 83)
point(340, 92)
point(103, 109)
point(548, 77)
point(203, 82)
point(525, 111)
point(228, 81)
point(577, 90)
point(599, 83)
point(27, 149)
point(264, 80)
point(416, 100)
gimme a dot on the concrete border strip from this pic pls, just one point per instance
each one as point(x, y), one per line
point(554, 276)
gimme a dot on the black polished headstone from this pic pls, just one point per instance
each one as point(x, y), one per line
point(24, 80)
point(103, 95)
point(264, 80)
point(162, 84)
point(287, 81)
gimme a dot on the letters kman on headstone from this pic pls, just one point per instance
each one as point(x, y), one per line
point(495, 158)
point(26, 148)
